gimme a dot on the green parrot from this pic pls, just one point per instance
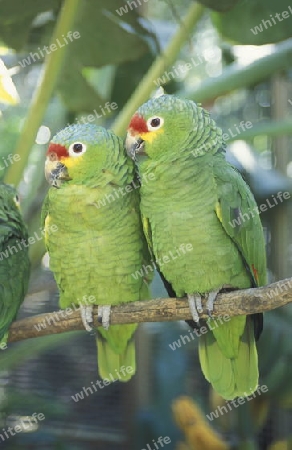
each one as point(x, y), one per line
point(188, 213)
point(99, 242)
point(14, 260)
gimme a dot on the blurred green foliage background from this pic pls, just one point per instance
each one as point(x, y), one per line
point(210, 52)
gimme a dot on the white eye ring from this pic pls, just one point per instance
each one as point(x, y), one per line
point(77, 149)
point(154, 123)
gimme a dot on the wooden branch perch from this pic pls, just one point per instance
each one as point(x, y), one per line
point(236, 303)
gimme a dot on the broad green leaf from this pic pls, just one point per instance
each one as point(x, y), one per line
point(256, 22)
point(16, 18)
point(128, 77)
point(85, 98)
point(99, 26)
point(11, 12)
point(106, 38)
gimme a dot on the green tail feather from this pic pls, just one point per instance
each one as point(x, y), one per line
point(233, 377)
point(116, 353)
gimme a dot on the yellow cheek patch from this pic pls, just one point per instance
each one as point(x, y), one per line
point(72, 161)
point(150, 135)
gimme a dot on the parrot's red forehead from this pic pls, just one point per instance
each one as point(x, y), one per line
point(138, 124)
point(58, 149)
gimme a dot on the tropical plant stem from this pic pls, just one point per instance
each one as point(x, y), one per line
point(162, 62)
point(236, 76)
point(44, 91)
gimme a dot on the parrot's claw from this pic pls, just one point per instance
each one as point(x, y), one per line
point(210, 302)
point(198, 300)
point(104, 312)
point(87, 317)
point(195, 304)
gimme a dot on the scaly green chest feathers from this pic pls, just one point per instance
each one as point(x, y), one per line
point(98, 245)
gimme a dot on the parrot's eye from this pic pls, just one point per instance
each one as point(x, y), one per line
point(77, 149)
point(154, 123)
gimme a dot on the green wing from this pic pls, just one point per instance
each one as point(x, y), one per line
point(238, 213)
point(14, 266)
point(228, 355)
point(148, 235)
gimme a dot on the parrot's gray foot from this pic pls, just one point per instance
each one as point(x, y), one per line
point(104, 312)
point(210, 302)
point(195, 304)
point(87, 316)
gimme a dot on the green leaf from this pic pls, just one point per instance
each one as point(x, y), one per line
point(85, 98)
point(128, 76)
point(99, 26)
point(16, 18)
point(10, 12)
point(254, 22)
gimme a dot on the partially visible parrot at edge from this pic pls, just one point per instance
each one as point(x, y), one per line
point(195, 198)
point(14, 259)
point(99, 242)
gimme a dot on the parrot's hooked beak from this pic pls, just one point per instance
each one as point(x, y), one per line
point(135, 145)
point(55, 172)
